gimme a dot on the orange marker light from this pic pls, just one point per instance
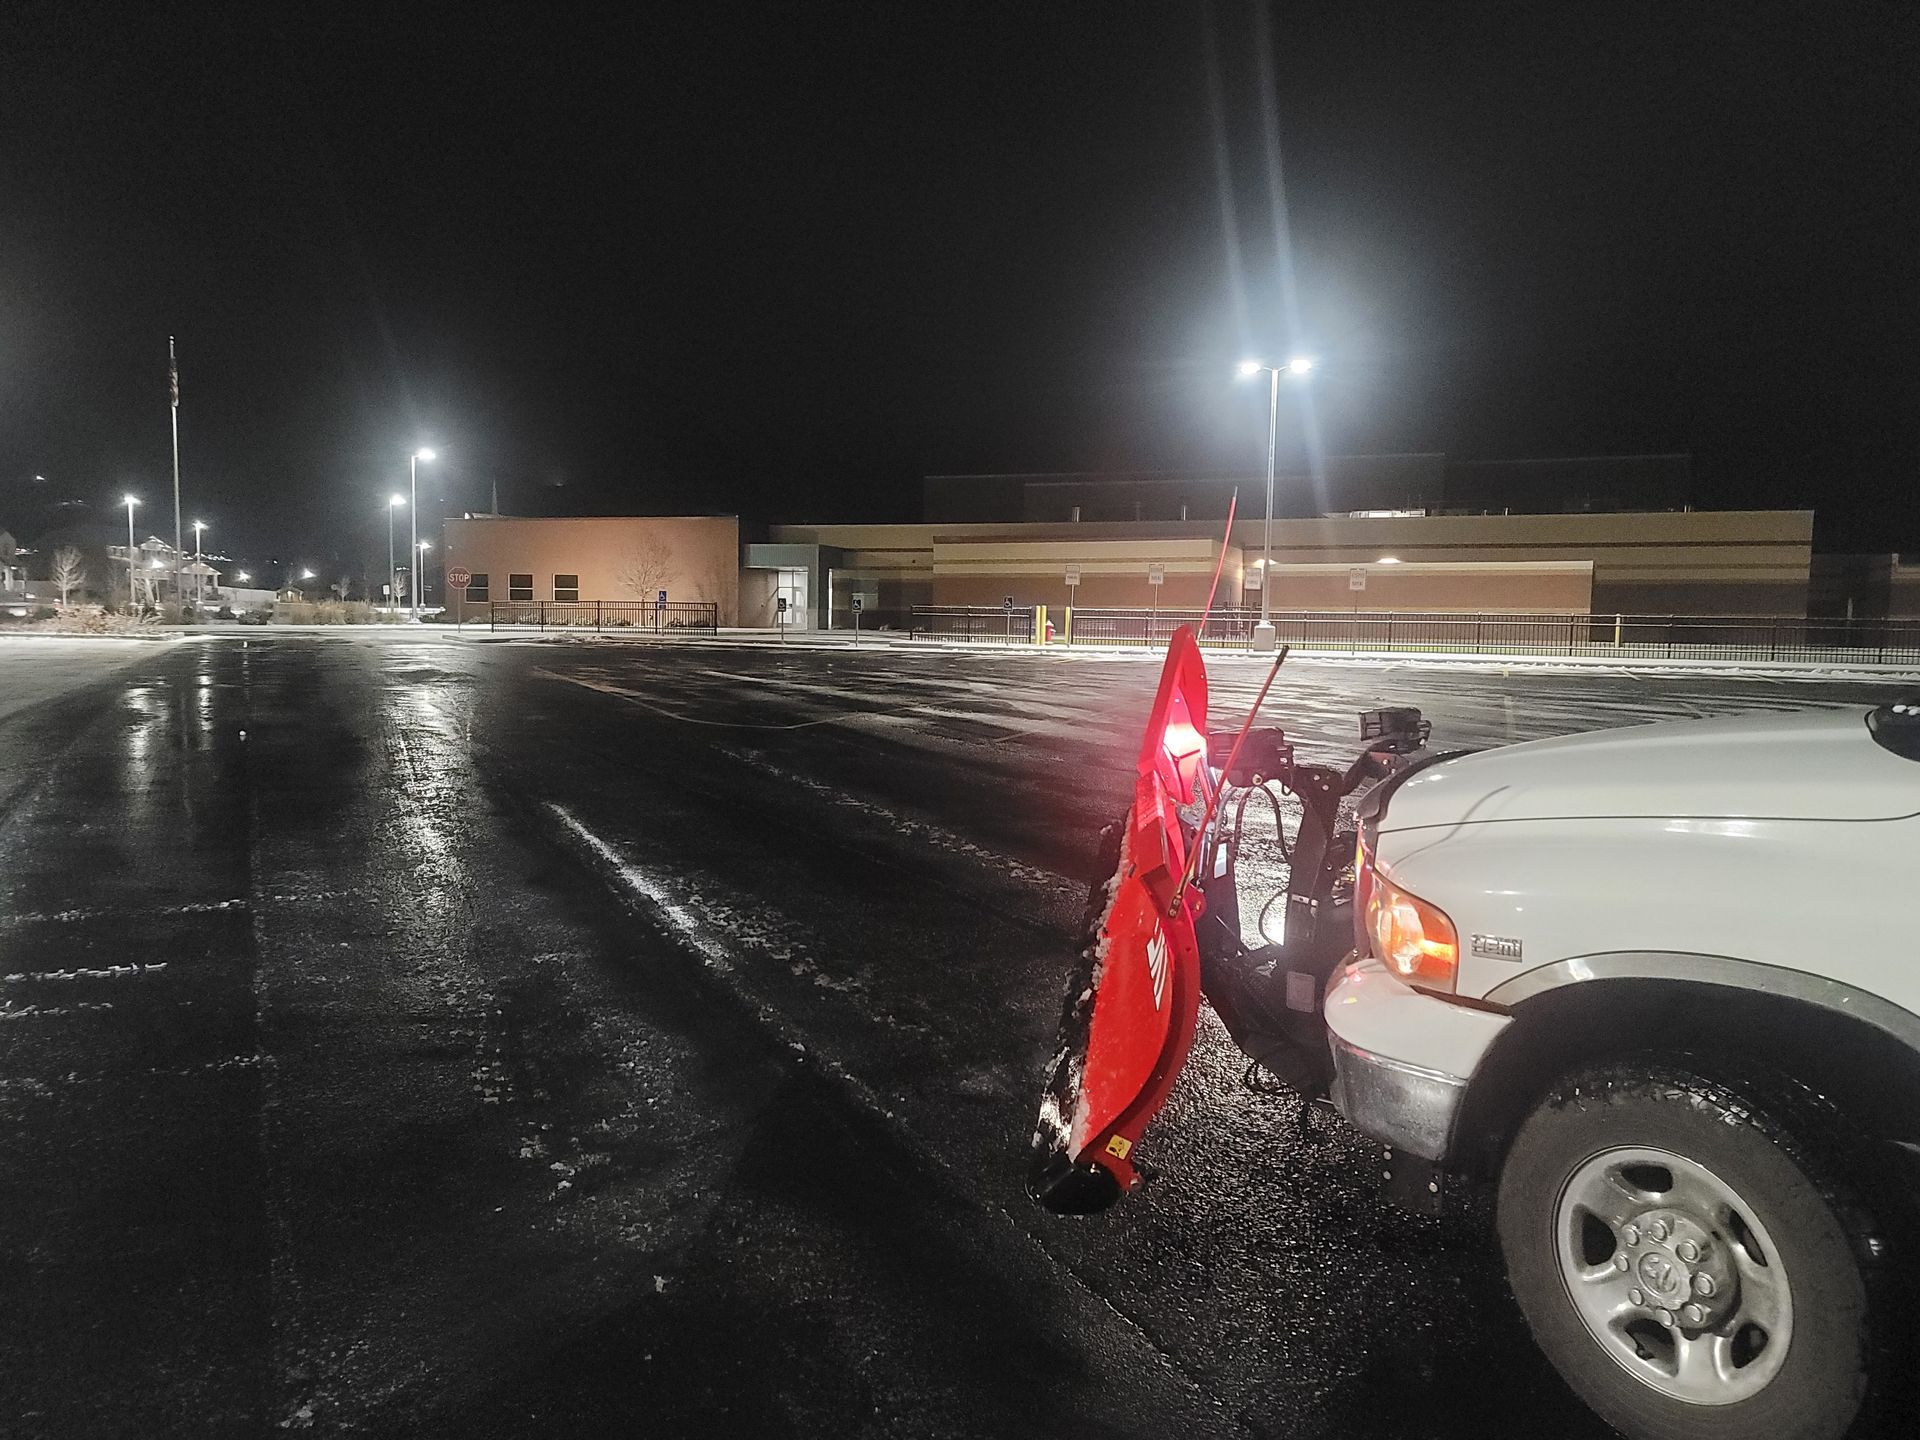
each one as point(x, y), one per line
point(1413, 939)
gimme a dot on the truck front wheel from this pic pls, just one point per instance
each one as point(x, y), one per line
point(1686, 1263)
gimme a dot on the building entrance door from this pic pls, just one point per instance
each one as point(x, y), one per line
point(792, 588)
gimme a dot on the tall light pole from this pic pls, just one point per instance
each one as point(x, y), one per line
point(394, 502)
point(420, 559)
point(1263, 633)
point(413, 525)
point(173, 389)
point(131, 502)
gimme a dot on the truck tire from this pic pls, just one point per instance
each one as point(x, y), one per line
point(1688, 1262)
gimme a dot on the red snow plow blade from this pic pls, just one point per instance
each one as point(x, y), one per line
point(1131, 1008)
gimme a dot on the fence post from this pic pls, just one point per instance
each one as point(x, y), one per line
point(493, 618)
point(1616, 631)
point(1773, 641)
point(596, 617)
point(543, 613)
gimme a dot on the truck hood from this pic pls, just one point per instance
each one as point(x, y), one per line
point(1813, 765)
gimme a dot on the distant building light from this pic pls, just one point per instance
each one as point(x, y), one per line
point(1385, 514)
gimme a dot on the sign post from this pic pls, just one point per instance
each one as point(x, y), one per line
point(1156, 577)
point(1073, 596)
point(780, 616)
point(1356, 582)
point(858, 599)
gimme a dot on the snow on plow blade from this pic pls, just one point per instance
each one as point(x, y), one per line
point(1135, 994)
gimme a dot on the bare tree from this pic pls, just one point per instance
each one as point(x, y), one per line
point(645, 568)
point(69, 571)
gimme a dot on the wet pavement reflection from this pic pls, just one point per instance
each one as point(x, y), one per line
point(418, 1035)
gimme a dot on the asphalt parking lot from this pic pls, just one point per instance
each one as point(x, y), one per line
point(403, 1034)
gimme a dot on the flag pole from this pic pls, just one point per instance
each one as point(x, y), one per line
point(173, 391)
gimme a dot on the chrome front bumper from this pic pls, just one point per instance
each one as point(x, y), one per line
point(1402, 1059)
point(1402, 1105)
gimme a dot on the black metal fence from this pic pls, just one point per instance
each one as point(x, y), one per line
point(678, 617)
point(1732, 638)
point(890, 617)
point(1632, 637)
point(978, 624)
point(1224, 630)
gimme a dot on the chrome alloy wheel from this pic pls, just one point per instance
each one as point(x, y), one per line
point(1674, 1275)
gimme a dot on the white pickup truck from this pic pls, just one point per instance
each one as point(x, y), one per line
point(1658, 981)
point(1655, 984)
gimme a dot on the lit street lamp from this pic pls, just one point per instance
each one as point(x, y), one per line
point(394, 502)
point(198, 579)
point(413, 524)
point(1263, 634)
point(131, 502)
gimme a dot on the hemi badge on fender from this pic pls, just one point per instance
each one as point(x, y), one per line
point(1496, 947)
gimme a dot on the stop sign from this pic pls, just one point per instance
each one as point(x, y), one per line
point(459, 577)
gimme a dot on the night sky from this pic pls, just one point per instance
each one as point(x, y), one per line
point(785, 261)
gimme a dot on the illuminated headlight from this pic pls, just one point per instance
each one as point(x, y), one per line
point(1413, 939)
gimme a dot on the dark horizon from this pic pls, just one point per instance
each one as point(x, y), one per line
point(761, 261)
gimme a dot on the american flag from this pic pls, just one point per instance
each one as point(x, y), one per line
point(173, 375)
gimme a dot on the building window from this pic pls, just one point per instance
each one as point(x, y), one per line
point(477, 587)
point(519, 587)
point(566, 587)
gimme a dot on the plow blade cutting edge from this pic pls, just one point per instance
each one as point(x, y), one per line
point(1135, 994)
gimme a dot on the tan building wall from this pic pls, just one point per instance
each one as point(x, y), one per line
point(1112, 572)
point(1903, 590)
point(1540, 587)
point(693, 557)
point(1685, 562)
